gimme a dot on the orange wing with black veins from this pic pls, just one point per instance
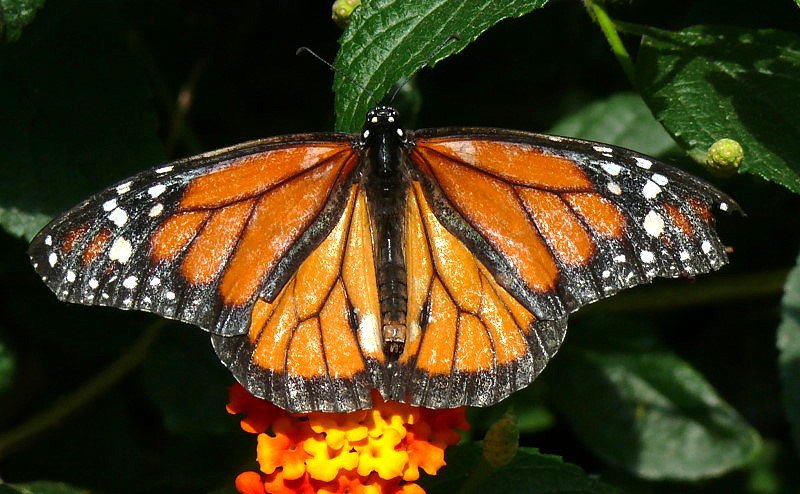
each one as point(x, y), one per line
point(318, 346)
point(201, 240)
point(561, 222)
point(469, 341)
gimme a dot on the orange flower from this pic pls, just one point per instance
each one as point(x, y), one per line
point(376, 451)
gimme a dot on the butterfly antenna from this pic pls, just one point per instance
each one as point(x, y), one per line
point(305, 49)
point(401, 85)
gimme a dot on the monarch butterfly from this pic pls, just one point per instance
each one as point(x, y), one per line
point(437, 266)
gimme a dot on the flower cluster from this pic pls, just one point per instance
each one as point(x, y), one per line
point(375, 451)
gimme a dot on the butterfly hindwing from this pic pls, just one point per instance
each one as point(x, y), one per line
point(469, 341)
point(318, 345)
point(199, 239)
point(562, 222)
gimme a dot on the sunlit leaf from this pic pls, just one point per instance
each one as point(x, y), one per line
point(708, 83)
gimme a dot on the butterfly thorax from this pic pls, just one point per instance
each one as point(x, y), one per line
point(382, 140)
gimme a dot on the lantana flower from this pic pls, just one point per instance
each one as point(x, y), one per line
point(375, 451)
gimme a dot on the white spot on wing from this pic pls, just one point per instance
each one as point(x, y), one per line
point(48, 240)
point(119, 217)
point(368, 336)
point(121, 250)
point(643, 163)
point(130, 282)
point(660, 179)
point(156, 210)
point(93, 283)
point(614, 188)
point(109, 205)
point(400, 132)
point(606, 273)
point(555, 138)
point(620, 258)
point(156, 190)
point(723, 206)
point(123, 188)
point(611, 168)
point(685, 255)
point(52, 259)
point(71, 276)
point(155, 281)
point(164, 169)
point(705, 246)
point(650, 190)
point(647, 256)
point(602, 149)
point(170, 295)
point(653, 224)
point(366, 133)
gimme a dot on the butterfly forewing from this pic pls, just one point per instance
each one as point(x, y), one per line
point(199, 240)
point(562, 222)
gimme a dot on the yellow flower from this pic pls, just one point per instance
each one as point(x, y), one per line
point(376, 451)
point(325, 462)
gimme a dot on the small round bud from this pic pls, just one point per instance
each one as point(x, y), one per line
point(341, 11)
point(501, 442)
point(724, 157)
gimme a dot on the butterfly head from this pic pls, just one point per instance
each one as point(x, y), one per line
point(382, 119)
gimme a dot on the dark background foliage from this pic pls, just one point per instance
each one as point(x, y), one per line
point(674, 387)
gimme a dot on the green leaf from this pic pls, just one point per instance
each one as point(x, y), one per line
point(789, 347)
point(15, 15)
point(644, 409)
point(41, 487)
point(530, 472)
point(388, 41)
point(76, 114)
point(8, 367)
point(622, 119)
point(706, 83)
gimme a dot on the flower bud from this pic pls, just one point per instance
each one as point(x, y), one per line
point(501, 442)
point(341, 11)
point(724, 157)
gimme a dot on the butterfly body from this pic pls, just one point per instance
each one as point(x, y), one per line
point(436, 266)
point(385, 183)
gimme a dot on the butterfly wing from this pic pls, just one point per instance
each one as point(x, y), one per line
point(469, 341)
point(318, 345)
point(202, 239)
point(561, 222)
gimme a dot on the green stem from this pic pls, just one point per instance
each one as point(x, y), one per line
point(609, 28)
point(716, 289)
point(23, 434)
